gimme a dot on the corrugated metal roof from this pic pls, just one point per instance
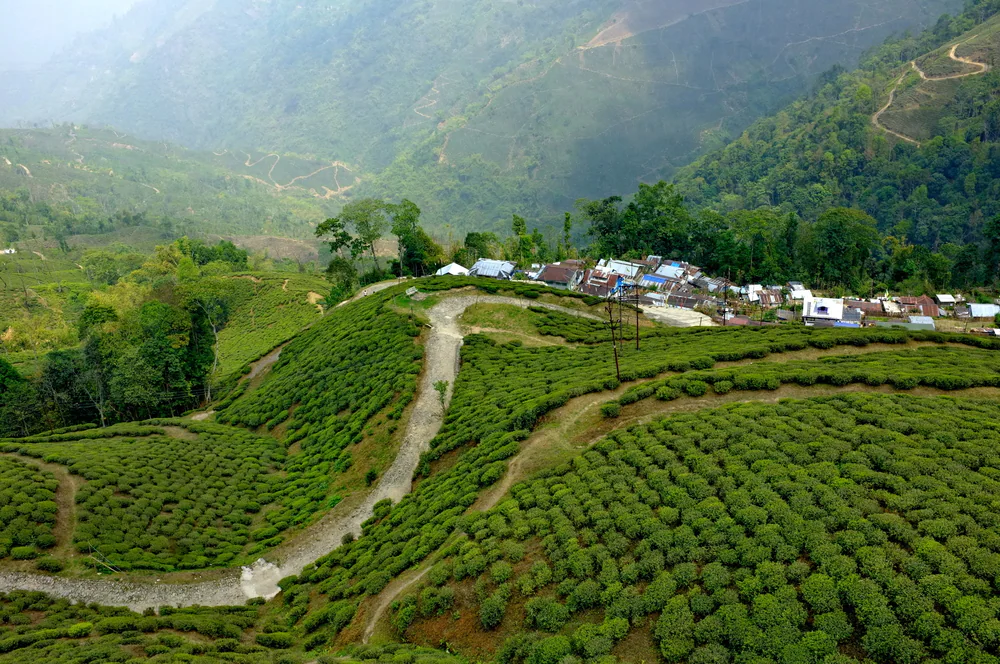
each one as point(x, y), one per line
point(492, 268)
point(983, 310)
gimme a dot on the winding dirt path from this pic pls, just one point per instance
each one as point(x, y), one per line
point(65, 498)
point(876, 119)
point(234, 587)
point(982, 68)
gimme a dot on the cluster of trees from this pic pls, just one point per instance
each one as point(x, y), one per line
point(777, 531)
point(369, 219)
point(840, 247)
point(925, 217)
point(148, 343)
point(152, 501)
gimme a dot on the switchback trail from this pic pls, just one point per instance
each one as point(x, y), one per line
point(234, 587)
point(982, 68)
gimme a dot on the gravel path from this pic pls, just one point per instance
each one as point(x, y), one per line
point(234, 587)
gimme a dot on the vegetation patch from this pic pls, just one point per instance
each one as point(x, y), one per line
point(27, 509)
point(830, 529)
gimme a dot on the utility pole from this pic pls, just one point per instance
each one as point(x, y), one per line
point(636, 289)
point(609, 307)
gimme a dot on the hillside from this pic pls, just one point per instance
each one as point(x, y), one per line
point(470, 109)
point(909, 138)
point(790, 494)
point(95, 173)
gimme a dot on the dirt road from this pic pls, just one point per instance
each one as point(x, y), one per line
point(260, 580)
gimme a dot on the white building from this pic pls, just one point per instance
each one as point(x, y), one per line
point(12, 250)
point(492, 269)
point(620, 268)
point(453, 270)
point(815, 309)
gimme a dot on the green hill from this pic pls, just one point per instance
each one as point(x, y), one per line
point(471, 109)
point(94, 174)
point(918, 155)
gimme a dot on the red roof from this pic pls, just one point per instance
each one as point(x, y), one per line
point(558, 274)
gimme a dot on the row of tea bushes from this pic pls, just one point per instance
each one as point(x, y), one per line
point(945, 368)
point(164, 502)
point(27, 509)
point(861, 527)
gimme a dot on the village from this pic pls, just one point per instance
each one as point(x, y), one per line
point(657, 285)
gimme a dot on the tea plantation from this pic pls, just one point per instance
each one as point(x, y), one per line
point(27, 509)
point(829, 529)
point(942, 368)
point(164, 502)
point(832, 529)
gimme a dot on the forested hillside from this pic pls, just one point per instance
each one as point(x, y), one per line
point(910, 138)
point(471, 109)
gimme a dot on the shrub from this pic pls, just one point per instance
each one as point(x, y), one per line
point(545, 614)
point(23, 553)
point(722, 387)
point(611, 409)
point(277, 640)
point(667, 393)
point(696, 388)
point(49, 565)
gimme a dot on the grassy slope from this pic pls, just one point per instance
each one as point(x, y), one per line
point(102, 171)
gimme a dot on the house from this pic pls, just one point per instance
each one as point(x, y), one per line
point(749, 293)
point(892, 308)
point(868, 307)
point(852, 315)
point(983, 310)
point(452, 270)
point(492, 269)
point(598, 283)
point(770, 299)
point(816, 309)
point(653, 282)
point(650, 263)
point(945, 300)
point(922, 320)
point(620, 268)
point(561, 276)
point(922, 305)
point(800, 294)
point(796, 285)
point(785, 314)
point(658, 300)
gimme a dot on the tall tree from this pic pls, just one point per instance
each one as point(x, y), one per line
point(368, 219)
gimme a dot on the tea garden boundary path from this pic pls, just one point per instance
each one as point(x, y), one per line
point(235, 587)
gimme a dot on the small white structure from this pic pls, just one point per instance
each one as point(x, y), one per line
point(815, 309)
point(452, 270)
point(983, 310)
point(945, 299)
point(620, 268)
point(801, 294)
point(10, 251)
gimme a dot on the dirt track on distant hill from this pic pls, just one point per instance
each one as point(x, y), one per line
point(982, 69)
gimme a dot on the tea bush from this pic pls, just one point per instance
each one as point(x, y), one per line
point(160, 502)
point(360, 361)
point(945, 368)
point(788, 532)
point(27, 508)
point(38, 628)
